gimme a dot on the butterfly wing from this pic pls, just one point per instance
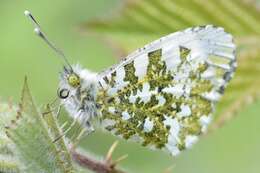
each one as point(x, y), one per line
point(164, 94)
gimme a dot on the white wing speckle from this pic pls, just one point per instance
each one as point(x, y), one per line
point(165, 93)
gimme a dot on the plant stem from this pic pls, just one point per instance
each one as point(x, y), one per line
point(93, 165)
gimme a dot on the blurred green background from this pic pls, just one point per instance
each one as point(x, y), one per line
point(231, 149)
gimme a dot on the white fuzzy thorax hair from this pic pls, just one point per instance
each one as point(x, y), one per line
point(81, 100)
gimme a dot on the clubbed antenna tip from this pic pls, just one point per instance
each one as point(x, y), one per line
point(39, 32)
point(27, 13)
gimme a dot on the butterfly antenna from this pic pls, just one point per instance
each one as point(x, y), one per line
point(43, 36)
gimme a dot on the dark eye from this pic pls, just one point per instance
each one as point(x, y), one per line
point(63, 93)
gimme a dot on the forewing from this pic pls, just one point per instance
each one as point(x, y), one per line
point(164, 94)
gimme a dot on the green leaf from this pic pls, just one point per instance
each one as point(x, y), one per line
point(33, 138)
point(56, 135)
point(9, 163)
point(142, 21)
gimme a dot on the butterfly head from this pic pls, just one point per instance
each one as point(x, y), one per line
point(70, 81)
point(77, 92)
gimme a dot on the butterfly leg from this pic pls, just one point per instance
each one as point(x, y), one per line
point(66, 131)
point(52, 110)
point(77, 139)
point(83, 132)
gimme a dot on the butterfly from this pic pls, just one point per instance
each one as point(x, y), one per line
point(162, 95)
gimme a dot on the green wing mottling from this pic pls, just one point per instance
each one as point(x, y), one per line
point(159, 105)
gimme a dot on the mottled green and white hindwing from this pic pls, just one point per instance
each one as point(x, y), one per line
point(164, 94)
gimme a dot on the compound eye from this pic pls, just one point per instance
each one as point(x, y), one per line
point(63, 93)
point(73, 80)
